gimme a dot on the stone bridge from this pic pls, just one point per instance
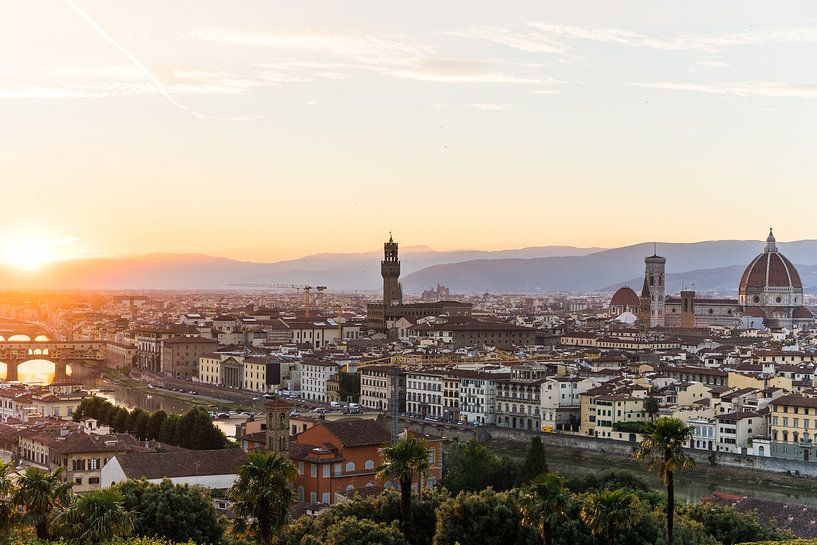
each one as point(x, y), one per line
point(15, 353)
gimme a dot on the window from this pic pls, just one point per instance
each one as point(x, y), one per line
point(326, 470)
point(325, 498)
point(313, 470)
point(369, 464)
point(300, 468)
point(93, 480)
point(313, 497)
point(78, 481)
point(350, 466)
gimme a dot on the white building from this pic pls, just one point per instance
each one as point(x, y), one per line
point(424, 393)
point(314, 374)
point(478, 396)
point(213, 469)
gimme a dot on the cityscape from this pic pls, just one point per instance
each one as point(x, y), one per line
point(433, 274)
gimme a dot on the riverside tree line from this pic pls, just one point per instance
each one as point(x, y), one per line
point(192, 430)
point(482, 500)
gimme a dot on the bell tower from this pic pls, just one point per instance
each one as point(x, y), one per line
point(390, 270)
point(654, 276)
point(278, 425)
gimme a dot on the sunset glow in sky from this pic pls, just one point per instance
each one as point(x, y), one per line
point(265, 130)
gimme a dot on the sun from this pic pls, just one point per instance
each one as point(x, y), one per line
point(27, 254)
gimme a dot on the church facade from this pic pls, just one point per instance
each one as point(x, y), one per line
point(770, 295)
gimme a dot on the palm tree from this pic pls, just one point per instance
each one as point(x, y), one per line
point(7, 511)
point(95, 517)
point(608, 511)
point(262, 494)
point(662, 449)
point(402, 461)
point(651, 407)
point(544, 503)
point(40, 493)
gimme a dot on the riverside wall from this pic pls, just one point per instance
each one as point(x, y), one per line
point(619, 448)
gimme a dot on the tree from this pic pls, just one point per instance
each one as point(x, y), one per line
point(353, 531)
point(175, 512)
point(262, 494)
point(486, 517)
point(8, 514)
point(535, 462)
point(610, 511)
point(40, 494)
point(349, 387)
point(651, 407)
point(138, 423)
point(544, 503)
point(169, 428)
point(120, 419)
point(729, 526)
point(155, 423)
point(402, 461)
point(95, 517)
point(662, 450)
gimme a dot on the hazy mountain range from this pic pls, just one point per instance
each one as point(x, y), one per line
point(713, 266)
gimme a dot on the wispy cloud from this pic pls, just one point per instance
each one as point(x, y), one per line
point(388, 54)
point(711, 61)
point(546, 37)
point(491, 107)
point(773, 89)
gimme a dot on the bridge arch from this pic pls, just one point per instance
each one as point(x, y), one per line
point(37, 371)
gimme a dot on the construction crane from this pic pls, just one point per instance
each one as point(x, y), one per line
point(307, 290)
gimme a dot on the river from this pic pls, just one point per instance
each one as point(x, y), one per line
point(129, 398)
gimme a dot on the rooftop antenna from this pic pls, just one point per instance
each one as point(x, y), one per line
point(654, 248)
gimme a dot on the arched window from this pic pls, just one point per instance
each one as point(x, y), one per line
point(350, 466)
point(300, 493)
point(369, 464)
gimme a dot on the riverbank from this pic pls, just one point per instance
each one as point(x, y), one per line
point(691, 485)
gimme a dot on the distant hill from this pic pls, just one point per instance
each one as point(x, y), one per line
point(340, 271)
point(711, 265)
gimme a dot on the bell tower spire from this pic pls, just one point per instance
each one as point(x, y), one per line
point(390, 270)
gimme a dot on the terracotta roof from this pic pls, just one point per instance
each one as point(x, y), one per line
point(770, 269)
point(355, 432)
point(181, 463)
point(625, 297)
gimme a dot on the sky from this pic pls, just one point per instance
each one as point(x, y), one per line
point(265, 130)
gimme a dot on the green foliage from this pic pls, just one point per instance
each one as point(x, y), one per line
point(262, 495)
point(94, 517)
point(41, 494)
point(609, 478)
point(631, 426)
point(402, 461)
point(535, 461)
point(487, 517)
point(175, 512)
point(352, 531)
point(728, 526)
point(385, 508)
point(607, 512)
point(544, 504)
point(471, 466)
point(349, 387)
point(651, 407)
point(199, 431)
